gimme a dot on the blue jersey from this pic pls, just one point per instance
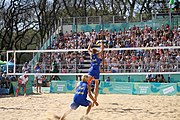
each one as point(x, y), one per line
point(80, 96)
point(95, 61)
point(95, 65)
point(37, 68)
point(81, 92)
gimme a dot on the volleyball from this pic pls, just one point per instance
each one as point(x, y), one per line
point(98, 42)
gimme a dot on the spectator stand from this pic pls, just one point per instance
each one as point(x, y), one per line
point(116, 35)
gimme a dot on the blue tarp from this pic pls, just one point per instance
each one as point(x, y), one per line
point(10, 65)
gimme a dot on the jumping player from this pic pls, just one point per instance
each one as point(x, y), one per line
point(94, 71)
point(80, 97)
point(22, 81)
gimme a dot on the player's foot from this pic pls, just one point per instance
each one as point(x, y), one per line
point(57, 117)
point(85, 117)
point(62, 118)
point(24, 94)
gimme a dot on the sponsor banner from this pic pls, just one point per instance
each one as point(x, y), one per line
point(155, 88)
point(29, 89)
point(116, 88)
point(120, 88)
point(141, 88)
point(62, 86)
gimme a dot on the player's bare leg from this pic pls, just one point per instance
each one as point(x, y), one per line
point(89, 108)
point(17, 91)
point(39, 89)
point(96, 90)
point(24, 90)
point(65, 114)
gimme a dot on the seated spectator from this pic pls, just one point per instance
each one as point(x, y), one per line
point(108, 79)
point(12, 78)
point(25, 67)
point(114, 65)
point(150, 77)
point(1, 83)
point(81, 62)
point(64, 69)
point(5, 80)
point(55, 77)
point(37, 67)
point(160, 78)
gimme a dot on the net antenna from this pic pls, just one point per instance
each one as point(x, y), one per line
point(14, 52)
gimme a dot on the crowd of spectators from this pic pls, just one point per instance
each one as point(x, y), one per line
point(5, 79)
point(153, 60)
point(157, 60)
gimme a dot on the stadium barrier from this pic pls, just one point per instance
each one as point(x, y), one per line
point(124, 78)
point(4, 91)
point(133, 88)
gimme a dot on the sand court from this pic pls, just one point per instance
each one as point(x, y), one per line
point(111, 107)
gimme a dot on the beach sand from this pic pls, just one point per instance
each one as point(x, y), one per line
point(111, 107)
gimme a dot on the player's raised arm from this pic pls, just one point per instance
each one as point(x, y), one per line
point(102, 48)
point(89, 49)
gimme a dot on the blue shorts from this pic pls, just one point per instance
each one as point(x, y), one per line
point(94, 73)
point(74, 105)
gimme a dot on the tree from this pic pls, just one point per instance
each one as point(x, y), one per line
point(15, 17)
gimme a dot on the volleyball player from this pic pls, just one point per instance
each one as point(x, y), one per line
point(80, 97)
point(94, 71)
point(22, 81)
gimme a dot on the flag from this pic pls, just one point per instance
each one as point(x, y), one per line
point(171, 2)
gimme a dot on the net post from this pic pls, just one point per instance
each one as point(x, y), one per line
point(14, 52)
point(169, 78)
point(7, 53)
point(129, 79)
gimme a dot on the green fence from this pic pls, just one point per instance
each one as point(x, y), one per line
point(120, 26)
point(126, 78)
point(123, 78)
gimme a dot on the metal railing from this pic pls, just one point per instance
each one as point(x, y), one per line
point(120, 68)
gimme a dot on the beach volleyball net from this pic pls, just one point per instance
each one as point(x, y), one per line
point(114, 61)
